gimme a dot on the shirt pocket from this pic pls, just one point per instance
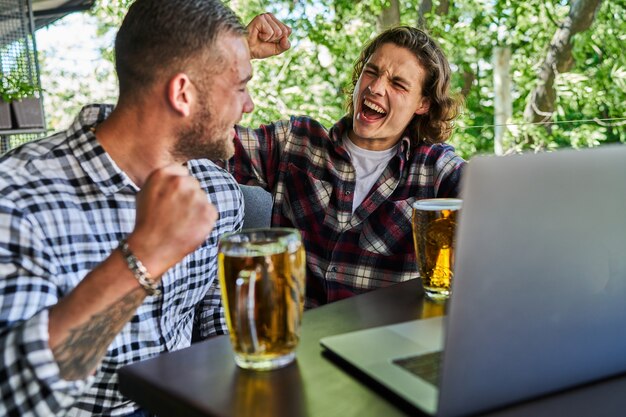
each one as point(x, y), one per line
point(308, 198)
point(387, 231)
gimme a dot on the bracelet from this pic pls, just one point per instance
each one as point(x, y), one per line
point(139, 270)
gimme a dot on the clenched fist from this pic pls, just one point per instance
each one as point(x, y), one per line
point(173, 218)
point(267, 36)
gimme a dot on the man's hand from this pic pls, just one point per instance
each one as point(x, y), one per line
point(267, 36)
point(174, 217)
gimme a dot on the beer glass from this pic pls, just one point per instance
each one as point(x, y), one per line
point(434, 224)
point(262, 279)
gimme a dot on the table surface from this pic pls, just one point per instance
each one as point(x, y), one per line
point(203, 380)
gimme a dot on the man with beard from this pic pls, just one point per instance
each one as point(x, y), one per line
point(349, 189)
point(108, 230)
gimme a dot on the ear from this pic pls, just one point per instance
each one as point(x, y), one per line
point(181, 94)
point(424, 106)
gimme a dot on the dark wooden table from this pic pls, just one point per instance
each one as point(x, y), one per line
point(203, 379)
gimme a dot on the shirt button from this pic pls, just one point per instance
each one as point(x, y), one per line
point(334, 269)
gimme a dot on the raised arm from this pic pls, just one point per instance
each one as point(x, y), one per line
point(173, 218)
point(52, 345)
point(267, 36)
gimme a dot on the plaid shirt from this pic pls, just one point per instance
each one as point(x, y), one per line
point(64, 206)
point(312, 180)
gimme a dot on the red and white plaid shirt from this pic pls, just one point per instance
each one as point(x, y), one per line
point(308, 171)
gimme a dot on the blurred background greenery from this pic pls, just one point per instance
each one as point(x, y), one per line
point(560, 81)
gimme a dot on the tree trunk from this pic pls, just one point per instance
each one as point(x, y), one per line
point(443, 8)
point(503, 104)
point(390, 16)
point(425, 7)
point(540, 106)
point(468, 80)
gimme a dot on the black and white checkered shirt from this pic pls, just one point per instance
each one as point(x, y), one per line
point(64, 206)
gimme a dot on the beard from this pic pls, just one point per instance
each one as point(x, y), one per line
point(204, 138)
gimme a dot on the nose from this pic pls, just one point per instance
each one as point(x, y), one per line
point(248, 104)
point(377, 86)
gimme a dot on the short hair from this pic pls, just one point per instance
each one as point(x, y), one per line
point(435, 126)
point(159, 38)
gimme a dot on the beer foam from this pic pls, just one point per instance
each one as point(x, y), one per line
point(260, 242)
point(436, 204)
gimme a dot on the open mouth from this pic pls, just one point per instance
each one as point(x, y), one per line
point(372, 111)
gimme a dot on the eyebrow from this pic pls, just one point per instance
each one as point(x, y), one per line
point(246, 80)
point(396, 78)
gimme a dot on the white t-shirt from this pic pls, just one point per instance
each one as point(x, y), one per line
point(368, 166)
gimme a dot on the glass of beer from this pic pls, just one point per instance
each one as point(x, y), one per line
point(434, 225)
point(262, 279)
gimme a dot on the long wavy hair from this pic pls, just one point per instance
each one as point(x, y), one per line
point(436, 125)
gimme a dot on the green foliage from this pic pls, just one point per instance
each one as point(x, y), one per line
point(313, 76)
point(302, 81)
point(13, 87)
point(110, 14)
point(470, 32)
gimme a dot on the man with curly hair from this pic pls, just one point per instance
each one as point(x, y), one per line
point(349, 189)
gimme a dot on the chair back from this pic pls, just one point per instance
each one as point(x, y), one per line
point(258, 207)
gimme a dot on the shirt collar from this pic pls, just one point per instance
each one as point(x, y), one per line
point(94, 160)
point(345, 124)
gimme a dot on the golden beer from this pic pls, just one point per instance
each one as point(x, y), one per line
point(434, 225)
point(262, 279)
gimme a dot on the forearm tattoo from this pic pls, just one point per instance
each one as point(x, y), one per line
point(80, 352)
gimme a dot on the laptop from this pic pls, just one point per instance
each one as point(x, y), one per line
point(539, 295)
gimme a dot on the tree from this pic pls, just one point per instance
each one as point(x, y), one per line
point(502, 102)
point(541, 102)
point(328, 34)
point(389, 16)
point(471, 31)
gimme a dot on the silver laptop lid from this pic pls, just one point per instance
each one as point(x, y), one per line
point(539, 300)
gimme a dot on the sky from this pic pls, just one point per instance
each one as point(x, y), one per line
point(71, 42)
point(73, 72)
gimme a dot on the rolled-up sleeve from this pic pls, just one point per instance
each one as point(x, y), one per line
point(30, 381)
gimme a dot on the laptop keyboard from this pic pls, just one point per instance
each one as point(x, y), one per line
point(425, 366)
